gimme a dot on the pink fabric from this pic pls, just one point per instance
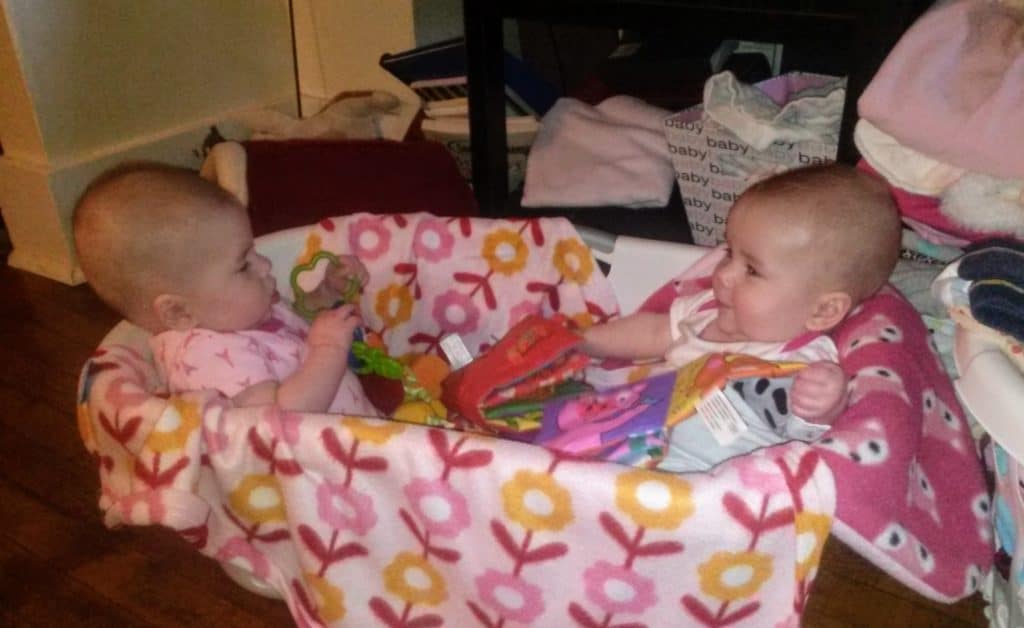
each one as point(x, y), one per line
point(230, 362)
point(364, 522)
point(932, 235)
point(910, 493)
point(953, 88)
point(925, 209)
point(912, 497)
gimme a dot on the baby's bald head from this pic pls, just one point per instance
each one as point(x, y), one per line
point(850, 217)
point(136, 230)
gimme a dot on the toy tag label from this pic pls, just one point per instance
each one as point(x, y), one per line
point(721, 418)
point(456, 352)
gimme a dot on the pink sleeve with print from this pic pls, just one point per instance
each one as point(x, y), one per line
point(208, 360)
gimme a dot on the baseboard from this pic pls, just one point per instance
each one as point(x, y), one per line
point(46, 265)
point(40, 243)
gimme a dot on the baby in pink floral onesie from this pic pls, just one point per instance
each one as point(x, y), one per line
point(173, 253)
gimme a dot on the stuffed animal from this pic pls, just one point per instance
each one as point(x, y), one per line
point(349, 115)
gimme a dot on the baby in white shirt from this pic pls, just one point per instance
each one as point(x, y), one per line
point(803, 248)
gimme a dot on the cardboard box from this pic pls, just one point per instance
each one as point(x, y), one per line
point(713, 167)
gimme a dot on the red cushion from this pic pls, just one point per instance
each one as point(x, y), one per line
point(299, 182)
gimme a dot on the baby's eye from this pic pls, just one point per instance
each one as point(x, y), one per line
point(751, 271)
point(245, 267)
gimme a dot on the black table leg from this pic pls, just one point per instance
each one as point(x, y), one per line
point(485, 73)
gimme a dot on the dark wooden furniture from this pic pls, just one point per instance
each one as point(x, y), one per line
point(863, 30)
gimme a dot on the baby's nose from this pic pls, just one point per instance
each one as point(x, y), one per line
point(263, 264)
point(725, 273)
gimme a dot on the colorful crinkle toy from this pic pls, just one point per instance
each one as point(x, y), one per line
point(529, 365)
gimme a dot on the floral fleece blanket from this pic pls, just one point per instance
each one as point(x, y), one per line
point(357, 521)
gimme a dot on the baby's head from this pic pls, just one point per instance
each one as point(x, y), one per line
point(805, 247)
point(170, 250)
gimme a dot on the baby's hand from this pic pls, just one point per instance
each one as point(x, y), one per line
point(346, 278)
point(819, 392)
point(333, 329)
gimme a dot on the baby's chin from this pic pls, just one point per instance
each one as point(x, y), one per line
point(722, 331)
point(269, 312)
point(274, 300)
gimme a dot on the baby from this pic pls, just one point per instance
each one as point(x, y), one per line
point(802, 249)
point(173, 253)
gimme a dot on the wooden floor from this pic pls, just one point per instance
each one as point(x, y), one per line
point(59, 566)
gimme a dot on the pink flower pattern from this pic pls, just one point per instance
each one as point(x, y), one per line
point(510, 595)
point(240, 552)
point(441, 509)
point(344, 508)
point(368, 238)
point(521, 310)
point(433, 241)
point(456, 313)
point(758, 470)
point(617, 589)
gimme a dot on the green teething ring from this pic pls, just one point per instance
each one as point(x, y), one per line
point(363, 358)
point(350, 295)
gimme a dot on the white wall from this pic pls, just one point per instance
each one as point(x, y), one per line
point(87, 83)
point(339, 44)
point(18, 128)
point(102, 71)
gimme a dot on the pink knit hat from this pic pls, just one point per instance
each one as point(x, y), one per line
point(953, 88)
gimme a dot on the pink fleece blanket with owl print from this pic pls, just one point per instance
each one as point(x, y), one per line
point(912, 497)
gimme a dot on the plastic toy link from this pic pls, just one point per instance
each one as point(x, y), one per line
point(307, 310)
point(366, 359)
point(363, 358)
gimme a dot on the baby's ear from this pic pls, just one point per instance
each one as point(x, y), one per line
point(173, 312)
point(830, 309)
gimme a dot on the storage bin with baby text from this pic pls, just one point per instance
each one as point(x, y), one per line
point(713, 166)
